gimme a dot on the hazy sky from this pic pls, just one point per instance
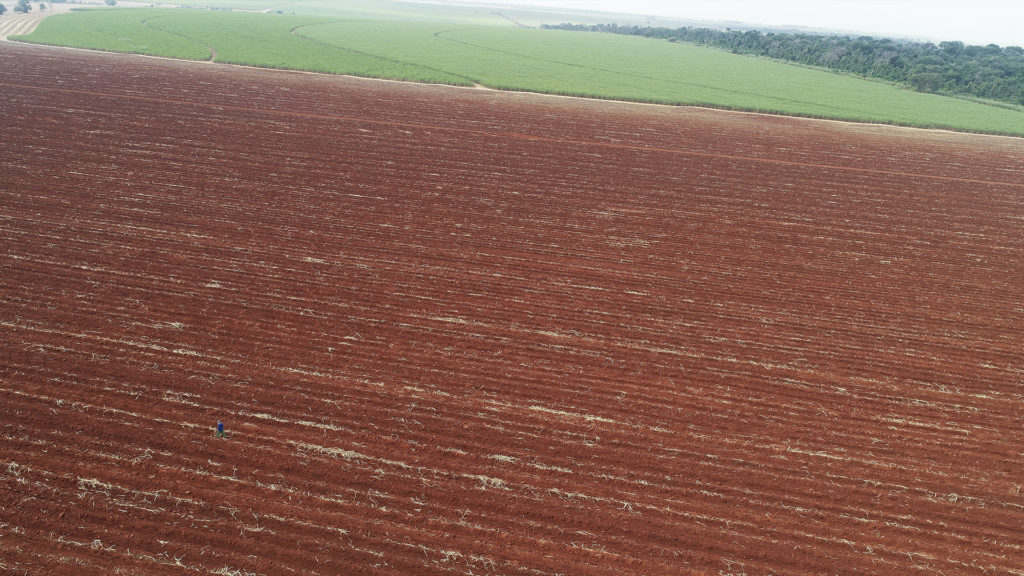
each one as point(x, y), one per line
point(972, 22)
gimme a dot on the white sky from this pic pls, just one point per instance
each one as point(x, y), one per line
point(972, 21)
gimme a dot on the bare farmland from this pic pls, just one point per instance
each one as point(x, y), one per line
point(453, 331)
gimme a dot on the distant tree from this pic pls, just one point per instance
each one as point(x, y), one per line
point(951, 48)
point(42, 7)
point(988, 72)
point(925, 81)
point(23, 7)
point(110, 2)
point(3, 9)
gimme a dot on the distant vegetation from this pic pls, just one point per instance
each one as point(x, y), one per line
point(500, 55)
point(988, 72)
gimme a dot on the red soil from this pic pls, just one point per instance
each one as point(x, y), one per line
point(458, 331)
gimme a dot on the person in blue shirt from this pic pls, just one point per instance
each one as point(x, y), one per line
point(220, 429)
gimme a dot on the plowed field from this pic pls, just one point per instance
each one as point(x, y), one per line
point(453, 331)
point(13, 24)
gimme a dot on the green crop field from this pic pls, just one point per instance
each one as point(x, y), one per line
point(114, 31)
point(466, 46)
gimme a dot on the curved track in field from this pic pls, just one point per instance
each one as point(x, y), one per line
point(14, 24)
point(19, 24)
point(465, 332)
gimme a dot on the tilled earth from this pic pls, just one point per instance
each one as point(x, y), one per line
point(456, 331)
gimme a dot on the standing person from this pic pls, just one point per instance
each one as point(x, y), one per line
point(220, 429)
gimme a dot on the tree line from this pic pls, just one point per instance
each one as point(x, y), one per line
point(988, 72)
